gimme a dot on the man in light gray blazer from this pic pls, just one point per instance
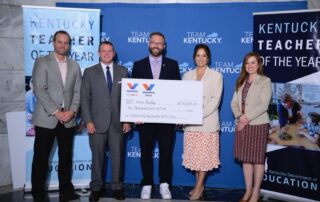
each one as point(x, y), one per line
point(100, 105)
point(57, 84)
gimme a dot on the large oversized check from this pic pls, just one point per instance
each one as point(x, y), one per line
point(161, 101)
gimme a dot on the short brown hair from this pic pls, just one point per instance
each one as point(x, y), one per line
point(314, 116)
point(286, 98)
point(61, 32)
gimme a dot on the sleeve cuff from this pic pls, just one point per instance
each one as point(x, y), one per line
point(54, 113)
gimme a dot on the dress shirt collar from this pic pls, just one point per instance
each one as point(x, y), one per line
point(65, 59)
point(152, 59)
point(105, 65)
point(104, 68)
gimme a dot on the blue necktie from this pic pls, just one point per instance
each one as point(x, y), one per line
point(109, 79)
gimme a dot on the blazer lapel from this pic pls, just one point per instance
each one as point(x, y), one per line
point(101, 79)
point(163, 67)
point(194, 74)
point(69, 73)
point(239, 94)
point(148, 69)
point(204, 76)
point(254, 84)
point(116, 77)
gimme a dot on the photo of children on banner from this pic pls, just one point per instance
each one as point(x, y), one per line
point(289, 111)
point(311, 128)
point(30, 104)
point(295, 124)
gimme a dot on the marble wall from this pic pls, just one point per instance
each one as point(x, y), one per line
point(12, 65)
point(12, 89)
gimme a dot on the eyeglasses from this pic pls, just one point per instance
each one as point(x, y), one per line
point(152, 43)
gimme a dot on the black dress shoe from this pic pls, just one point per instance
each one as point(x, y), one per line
point(68, 196)
point(94, 196)
point(118, 194)
point(41, 198)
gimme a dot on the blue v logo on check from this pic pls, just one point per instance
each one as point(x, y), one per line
point(132, 87)
point(148, 87)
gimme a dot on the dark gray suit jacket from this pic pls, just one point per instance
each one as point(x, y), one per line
point(97, 105)
point(50, 92)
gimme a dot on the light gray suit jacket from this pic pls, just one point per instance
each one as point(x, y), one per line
point(257, 101)
point(50, 92)
point(212, 90)
point(97, 105)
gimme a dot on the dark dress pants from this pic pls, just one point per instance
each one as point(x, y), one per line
point(149, 134)
point(44, 139)
point(113, 139)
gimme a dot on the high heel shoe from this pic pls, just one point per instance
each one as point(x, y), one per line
point(245, 200)
point(191, 192)
point(199, 196)
point(254, 197)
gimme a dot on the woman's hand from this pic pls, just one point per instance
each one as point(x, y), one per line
point(242, 122)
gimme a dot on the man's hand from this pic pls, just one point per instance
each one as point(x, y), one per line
point(59, 115)
point(68, 115)
point(126, 127)
point(90, 128)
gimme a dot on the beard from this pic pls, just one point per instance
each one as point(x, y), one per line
point(156, 52)
point(62, 52)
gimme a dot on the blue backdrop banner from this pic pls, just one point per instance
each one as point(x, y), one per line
point(227, 28)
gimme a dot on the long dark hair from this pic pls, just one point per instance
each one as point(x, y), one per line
point(244, 74)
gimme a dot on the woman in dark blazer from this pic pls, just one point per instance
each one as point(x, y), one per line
point(249, 105)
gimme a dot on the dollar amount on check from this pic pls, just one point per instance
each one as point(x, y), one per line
point(161, 101)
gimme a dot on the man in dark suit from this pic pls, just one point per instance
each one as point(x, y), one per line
point(156, 66)
point(100, 105)
point(57, 83)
